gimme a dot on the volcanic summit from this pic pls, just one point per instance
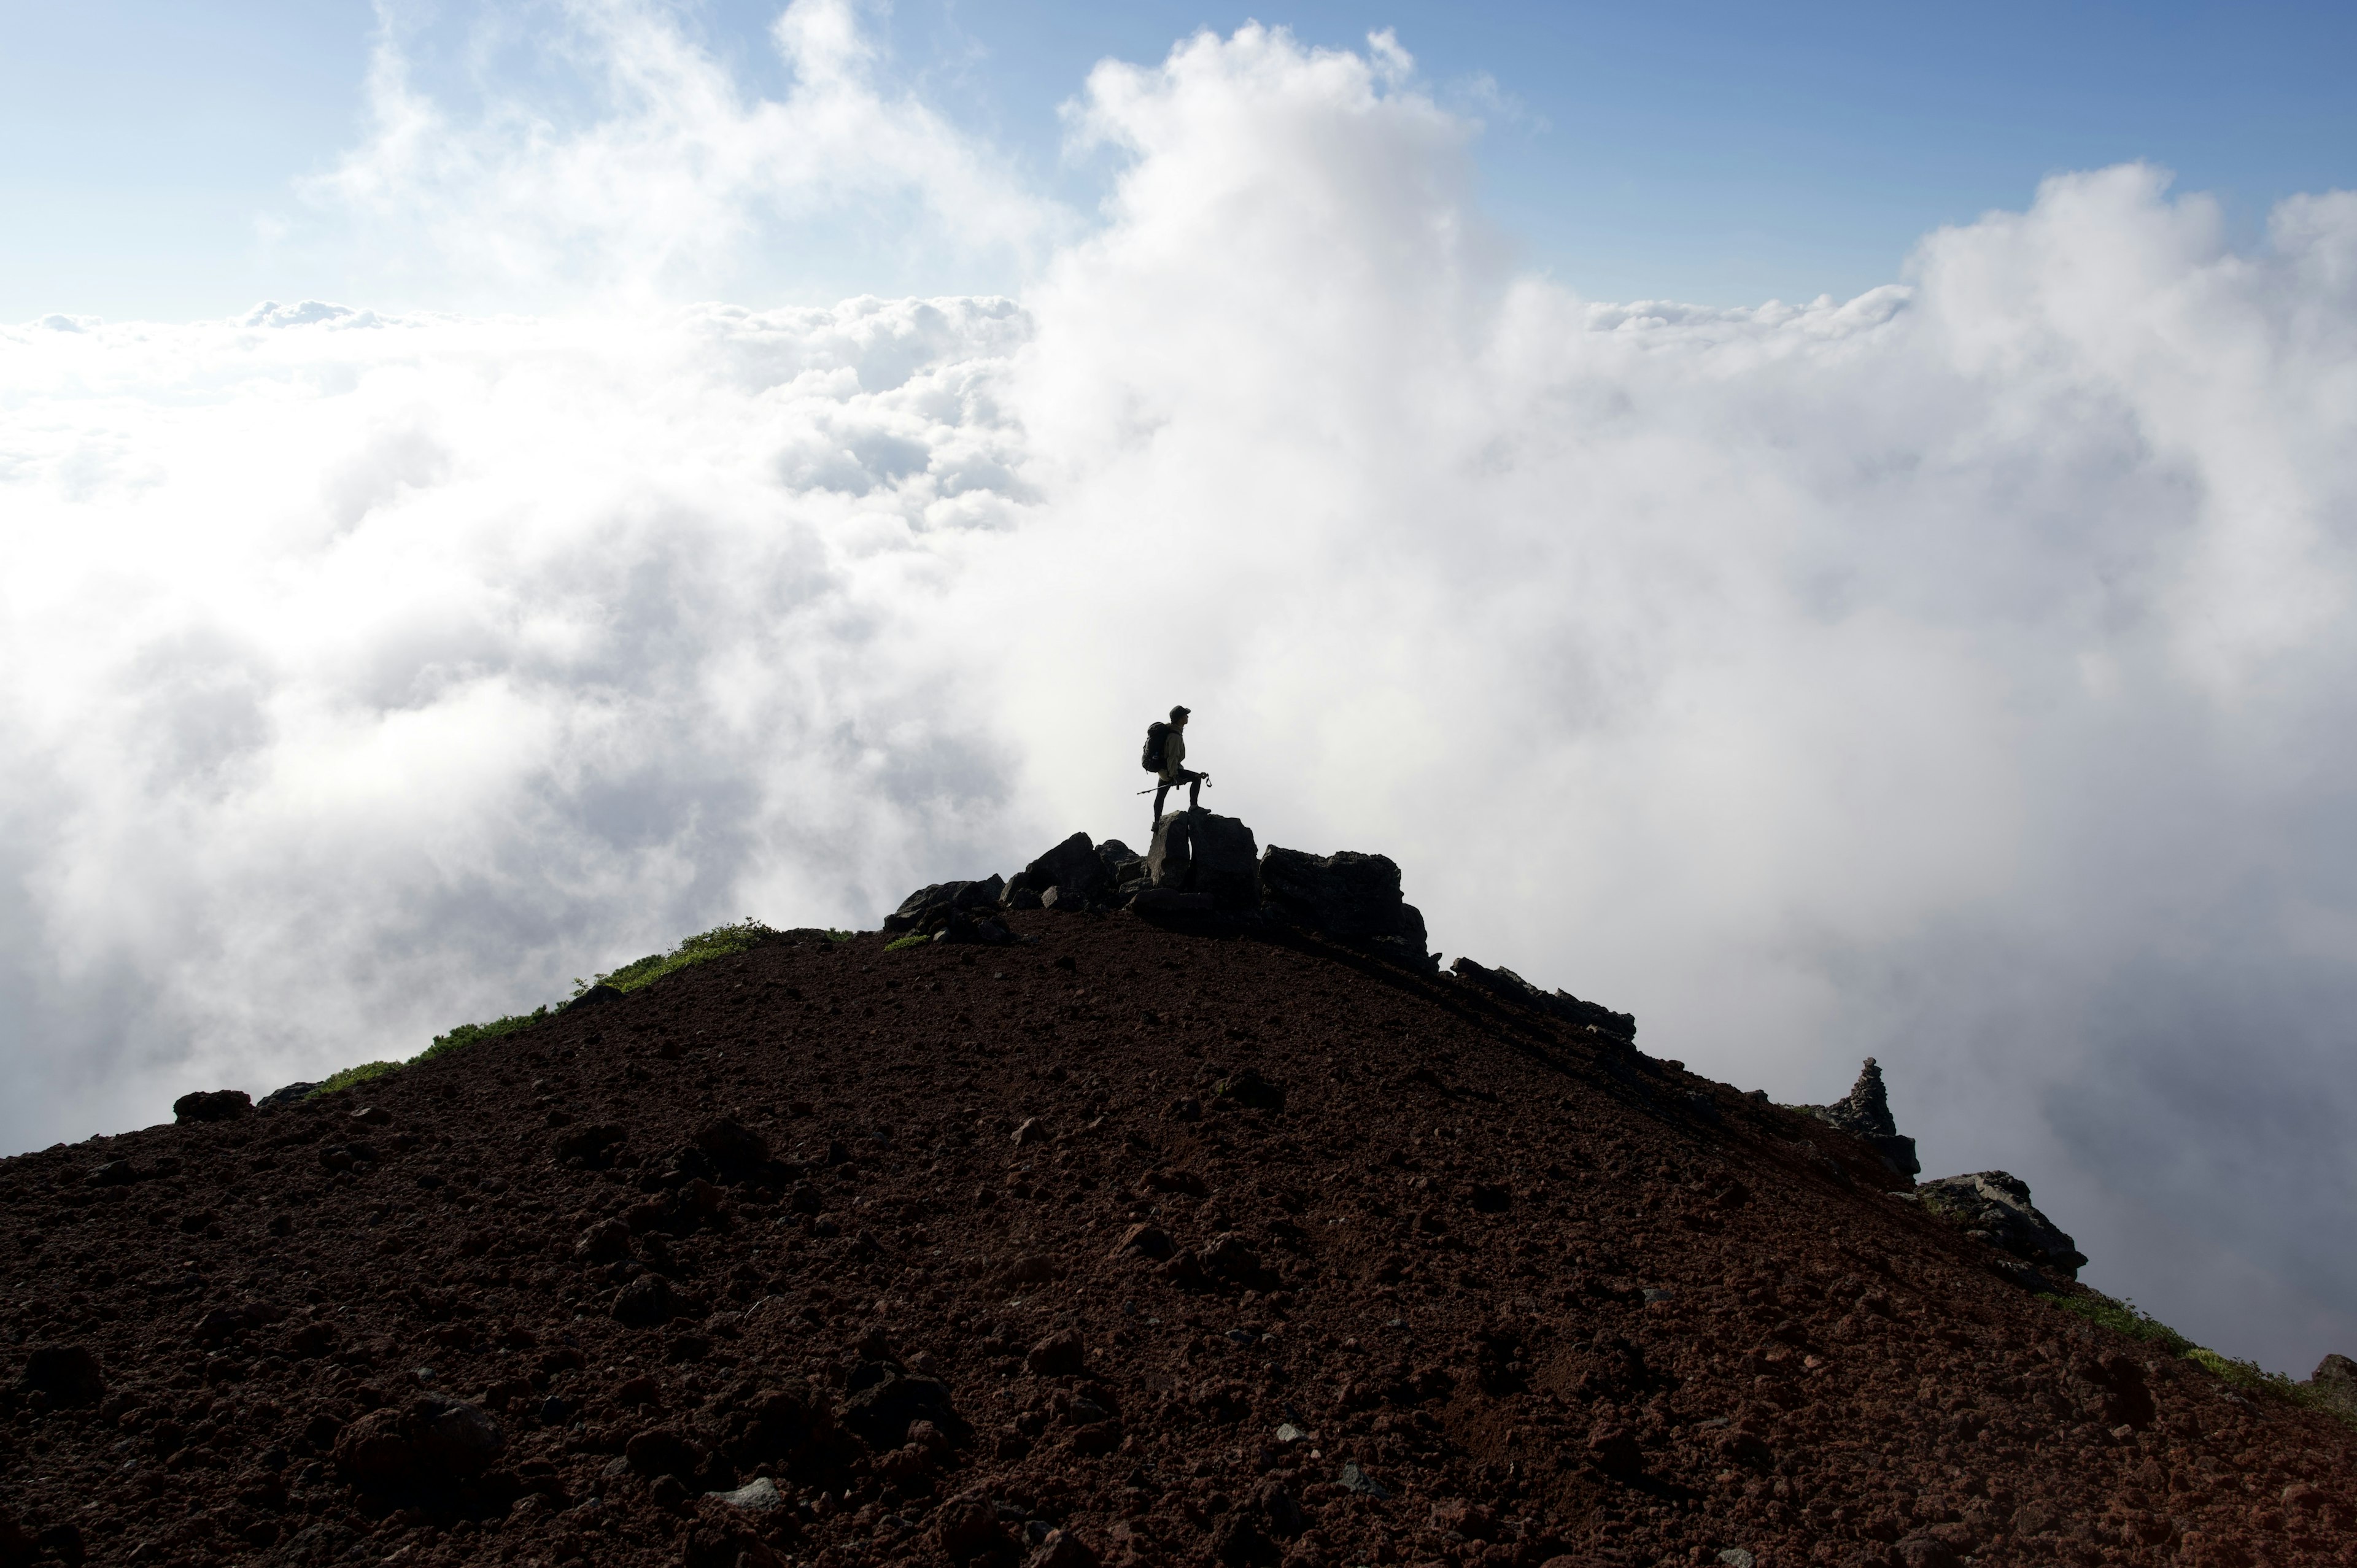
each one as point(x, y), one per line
point(1134, 1210)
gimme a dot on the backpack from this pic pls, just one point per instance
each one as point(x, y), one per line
point(1151, 757)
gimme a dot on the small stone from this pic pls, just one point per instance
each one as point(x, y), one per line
point(69, 1375)
point(1735, 1557)
point(760, 1495)
point(1288, 1432)
point(1148, 1240)
point(1353, 1479)
point(1061, 1549)
point(731, 1145)
point(371, 1116)
point(607, 1242)
point(644, 1303)
point(457, 1439)
point(1030, 1131)
point(661, 1451)
point(1059, 1355)
point(374, 1451)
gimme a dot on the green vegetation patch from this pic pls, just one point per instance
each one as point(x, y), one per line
point(721, 941)
point(913, 939)
point(466, 1035)
point(2126, 1317)
point(355, 1075)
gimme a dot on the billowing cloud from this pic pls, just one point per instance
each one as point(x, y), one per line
point(1956, 674)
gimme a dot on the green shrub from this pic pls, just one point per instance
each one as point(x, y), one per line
point(353, 1075)
point(2247, 1375)
point(2124, 1317)
point(466, 1035)
point(721, 941)
point(913, 939)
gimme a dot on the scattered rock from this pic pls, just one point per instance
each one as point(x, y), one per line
point(880, 1413)
point(1865, 1112)
point(645, 1302)
point(1061, 1549)
point(661, 1450)
point(597, 995)
point(70, 1374)
point(732, 1146)
point(212, 1105)
point(590, 1143)
point(1147, 1240)
point(1354, 1479)
point(607, 1242)
point(1993, 1206)
point(1059, 1355)
point(1199, 851)
point(287, 1096)
point(1247, 1087)
point(1506, 984)
point(427, 1440)
point(760, 1495)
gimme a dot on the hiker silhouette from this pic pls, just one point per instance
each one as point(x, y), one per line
point(1165, 757)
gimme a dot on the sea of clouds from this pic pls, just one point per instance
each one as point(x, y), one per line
point(1959, 674)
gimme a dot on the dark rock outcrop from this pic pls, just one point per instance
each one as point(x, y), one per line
point(1505, 982)
point(1197, 851)
point(1994, 1208)
point(1865, 1112)
point(1350, 896)
point(928, 910)
point(212, 1105)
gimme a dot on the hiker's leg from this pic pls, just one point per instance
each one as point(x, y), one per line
point(1160, 790)
point(1194, 789)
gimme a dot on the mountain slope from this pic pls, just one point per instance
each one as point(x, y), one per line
point(1423, 1274)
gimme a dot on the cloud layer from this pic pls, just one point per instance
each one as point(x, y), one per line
point(1956, 674)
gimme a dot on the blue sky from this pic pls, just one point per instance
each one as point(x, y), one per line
point(1721, 154)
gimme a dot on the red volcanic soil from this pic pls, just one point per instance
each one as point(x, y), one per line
point(1136, 1244)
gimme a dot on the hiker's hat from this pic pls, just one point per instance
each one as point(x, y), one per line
point(1178, 713)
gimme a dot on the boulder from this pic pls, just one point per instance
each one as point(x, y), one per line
point(287, 1096)
point(929, 908)
point(1197, 851)
point(2334, 1385)
point(1994, 1208)
point(1865, 1112)
point(1506, 984)
point(212, 1105)
point(1075, 868)
point(1350, 896)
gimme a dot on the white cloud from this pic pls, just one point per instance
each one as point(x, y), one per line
point(1956, 673)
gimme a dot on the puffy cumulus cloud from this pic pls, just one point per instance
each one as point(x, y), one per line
point(1955, 674)
point(369, 673)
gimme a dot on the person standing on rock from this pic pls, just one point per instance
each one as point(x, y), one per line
point(1165, 757)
